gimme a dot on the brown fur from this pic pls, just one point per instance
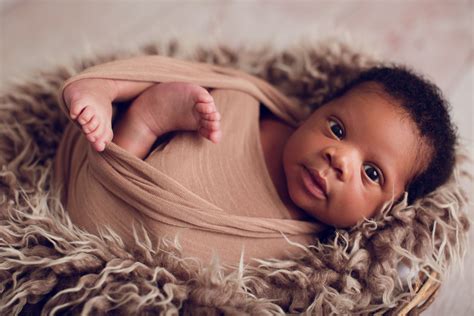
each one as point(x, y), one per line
point(47, 263)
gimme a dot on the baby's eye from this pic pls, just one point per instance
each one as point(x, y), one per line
point(336, 128)
point(373, 173)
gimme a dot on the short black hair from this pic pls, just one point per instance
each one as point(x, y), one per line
point(429, 110)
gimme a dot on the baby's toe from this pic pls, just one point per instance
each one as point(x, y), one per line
point(91, 125)
point(211, 125)
point(216, 137)
point(104, 139)
point(85, 115)
point(203, 96)
point(215, 116)
point(76, 109)
point(205, 107)
point(94, 136)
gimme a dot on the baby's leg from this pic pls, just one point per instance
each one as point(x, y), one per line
point(164, 108)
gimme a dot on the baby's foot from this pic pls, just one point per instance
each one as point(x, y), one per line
point(92, 108)
point(167, 107)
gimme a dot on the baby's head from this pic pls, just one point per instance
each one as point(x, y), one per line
point(387, 132)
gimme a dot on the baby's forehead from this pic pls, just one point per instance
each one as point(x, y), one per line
point(373, 91)
point(367, 94)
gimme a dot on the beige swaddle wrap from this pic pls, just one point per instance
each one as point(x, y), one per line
point(216, 198)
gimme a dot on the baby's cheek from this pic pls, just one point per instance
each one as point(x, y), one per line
point(349, 218)
point(350, 211)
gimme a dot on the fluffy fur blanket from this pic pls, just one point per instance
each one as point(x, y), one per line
point(48, 266)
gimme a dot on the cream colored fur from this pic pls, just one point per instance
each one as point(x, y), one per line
point(48, 264)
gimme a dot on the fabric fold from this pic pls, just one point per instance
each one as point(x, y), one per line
point(166, 192)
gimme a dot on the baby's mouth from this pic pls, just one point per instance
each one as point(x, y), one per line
point(314, 183)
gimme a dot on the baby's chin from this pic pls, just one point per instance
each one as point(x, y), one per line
point(305, 212)
point(318, 215)
point(299, 203)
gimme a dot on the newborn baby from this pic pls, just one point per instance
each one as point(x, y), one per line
point(386, 132)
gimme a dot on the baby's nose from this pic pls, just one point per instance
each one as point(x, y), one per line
point(342, 162)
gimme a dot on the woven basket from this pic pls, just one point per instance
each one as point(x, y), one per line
point(426, 289)
point(36, 98)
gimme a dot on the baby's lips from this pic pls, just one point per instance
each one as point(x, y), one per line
point(319, 180)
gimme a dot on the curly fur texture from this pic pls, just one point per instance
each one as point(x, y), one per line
point(48, 266)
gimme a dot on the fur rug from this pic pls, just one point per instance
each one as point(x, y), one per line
point(48, 266)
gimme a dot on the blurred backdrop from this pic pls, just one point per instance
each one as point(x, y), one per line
point(434, 37)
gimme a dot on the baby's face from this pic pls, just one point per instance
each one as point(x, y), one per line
point(362, 145)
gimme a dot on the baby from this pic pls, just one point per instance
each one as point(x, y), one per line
point(385, 133)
